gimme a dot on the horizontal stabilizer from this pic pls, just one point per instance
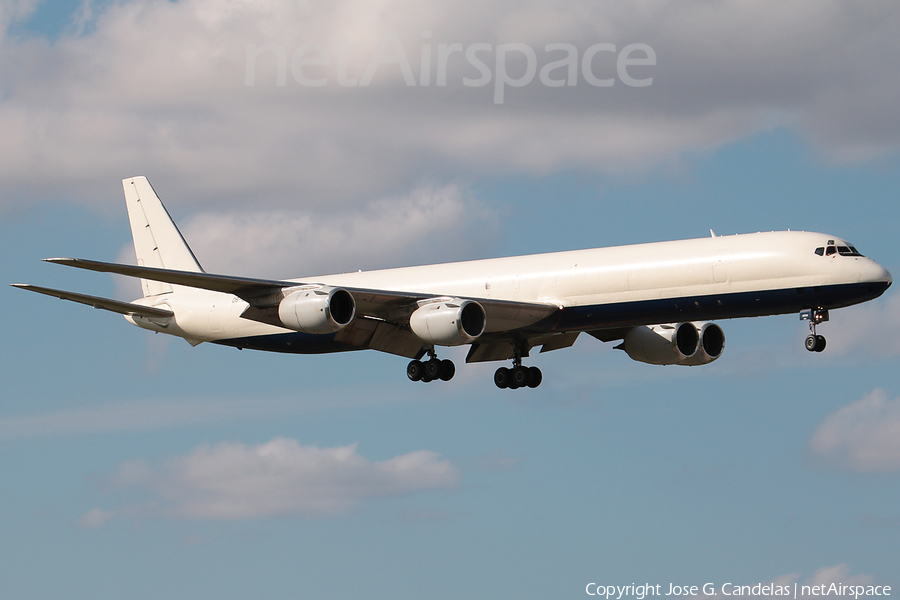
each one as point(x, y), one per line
point(117, 306)
point(240, 286)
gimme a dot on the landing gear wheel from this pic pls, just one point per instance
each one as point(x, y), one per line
point(432, 370)
point(815, 343)
point(519, 377)
point(534, 377)
point(811, 343)
point(502, 377)
point(820, 343)
point(415, 370)
point(448, 370)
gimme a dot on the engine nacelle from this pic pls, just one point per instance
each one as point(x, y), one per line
point(448, 323)
point(321, 310)
point(669, 344)
point(687, 344)
point(712, 344)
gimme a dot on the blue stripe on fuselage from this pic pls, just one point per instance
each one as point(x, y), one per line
point(713, 307)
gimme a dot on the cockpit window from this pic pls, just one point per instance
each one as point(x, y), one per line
point(848, 251)
point(831, 250)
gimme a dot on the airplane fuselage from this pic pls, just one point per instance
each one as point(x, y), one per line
point(698, 279)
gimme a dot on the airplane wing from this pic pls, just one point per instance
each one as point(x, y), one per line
point(123, 308)
point(239, 286)
point(263, 295)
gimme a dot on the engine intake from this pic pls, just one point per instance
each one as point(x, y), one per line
point(448, 323)
point(712, 344)
point(321, 310)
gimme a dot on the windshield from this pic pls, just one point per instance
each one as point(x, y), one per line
point(831, 249)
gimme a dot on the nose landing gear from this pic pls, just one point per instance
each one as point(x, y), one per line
point(814, 342)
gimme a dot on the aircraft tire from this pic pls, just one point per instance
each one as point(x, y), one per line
point(811, 343)
point(534, 377)
point(432, 369)
point(415, 370)
point(520, 376)
point(448, 370)
point(820, 343)
point(502, 378)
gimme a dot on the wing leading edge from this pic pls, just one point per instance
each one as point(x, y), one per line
point(263, 296)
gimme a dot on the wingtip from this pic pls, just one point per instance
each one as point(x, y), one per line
point(20, 285)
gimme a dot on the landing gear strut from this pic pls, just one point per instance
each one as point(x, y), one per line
point(431, 369)
point(814, 342)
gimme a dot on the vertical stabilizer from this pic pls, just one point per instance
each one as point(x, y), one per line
point(157, 241)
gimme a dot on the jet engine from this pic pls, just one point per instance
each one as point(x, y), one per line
point(321, 310)
point(448, 323)
point(712, 344)
point(675, 344)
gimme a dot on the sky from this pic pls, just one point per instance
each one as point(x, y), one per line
point(290, 139)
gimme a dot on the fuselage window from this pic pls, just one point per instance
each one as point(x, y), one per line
point(820, 250)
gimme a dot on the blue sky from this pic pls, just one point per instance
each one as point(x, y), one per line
point(769, 464)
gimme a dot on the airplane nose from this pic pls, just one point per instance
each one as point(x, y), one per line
point(878, 275)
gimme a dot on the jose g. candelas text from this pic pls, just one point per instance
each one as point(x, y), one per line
point(795, 591)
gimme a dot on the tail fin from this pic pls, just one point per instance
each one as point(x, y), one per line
point(157, 241)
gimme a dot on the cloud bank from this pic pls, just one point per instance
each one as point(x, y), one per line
point(839, 575)
point(864, 436)
point(160, 88)
point(423, 226)
point(870, 329)
point(280, 478)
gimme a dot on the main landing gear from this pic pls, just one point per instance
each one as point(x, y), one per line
point(814, 342)
point(431, 369)
point(519, 376)
point(434, 368)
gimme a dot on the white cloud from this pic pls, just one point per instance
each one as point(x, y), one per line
point(839, 574)
point(424, 226)
point(231, 481)
point(870, 329)
point(863, 436)
point(95, 518)
point(158, 88)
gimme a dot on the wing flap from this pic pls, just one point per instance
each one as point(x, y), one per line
point(116, 306)
point(370, 333)
point(609, 335)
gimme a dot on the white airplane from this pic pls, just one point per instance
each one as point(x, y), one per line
point(657, 298)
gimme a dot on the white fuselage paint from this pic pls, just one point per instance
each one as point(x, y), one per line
point(623, 274)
